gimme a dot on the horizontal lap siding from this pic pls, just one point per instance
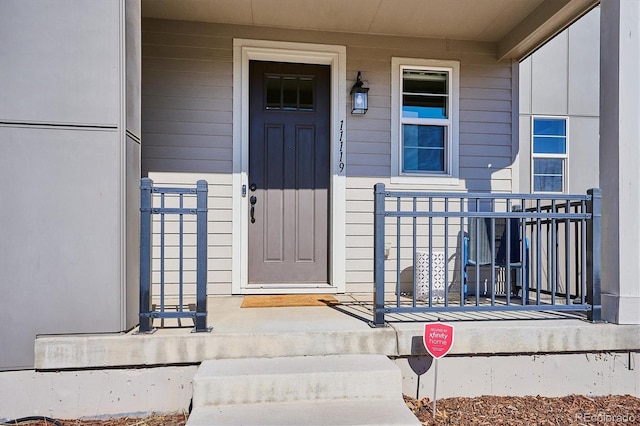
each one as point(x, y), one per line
point(486, 153)
point(219, 224)
point(188, 111)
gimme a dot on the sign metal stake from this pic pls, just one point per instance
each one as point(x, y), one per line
point(435, 387)
point(438, 339)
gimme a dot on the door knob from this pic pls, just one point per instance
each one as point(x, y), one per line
point(253, 200)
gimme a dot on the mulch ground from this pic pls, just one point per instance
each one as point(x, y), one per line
point(178, 419)
point(529, 410)
point(573, 410)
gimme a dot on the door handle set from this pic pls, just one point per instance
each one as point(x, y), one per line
point(253, 200)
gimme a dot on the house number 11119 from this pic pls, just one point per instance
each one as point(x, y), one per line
point(341, 160)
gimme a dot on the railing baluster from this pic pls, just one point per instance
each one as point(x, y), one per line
point(524, 255)
point(493, 260)
point(463, 258)
point(567, 255)
point(553, 255)
point(446, 253)
point(398, 253)
point(538, 254)
point(579, 274)
point(507, 255)
point(477, 236)
point(413, 252)
point(522, 243)
point(492, 232)
point(430, 255)
point(583, 256)
point(181, 266)
point(549, 254)
point(162, 245)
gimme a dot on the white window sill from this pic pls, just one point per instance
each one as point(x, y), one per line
point(426, 180)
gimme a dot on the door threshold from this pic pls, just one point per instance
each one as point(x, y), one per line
point(289, 288)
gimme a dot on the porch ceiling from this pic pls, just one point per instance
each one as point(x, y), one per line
point(516, 26)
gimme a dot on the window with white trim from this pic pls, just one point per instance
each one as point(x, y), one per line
point(549, 154)
point(425, 118)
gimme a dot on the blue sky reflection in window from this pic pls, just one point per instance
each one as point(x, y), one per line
point(425, 114)
point(549, 154)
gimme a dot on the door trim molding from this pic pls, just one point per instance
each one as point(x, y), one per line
point(245, 50)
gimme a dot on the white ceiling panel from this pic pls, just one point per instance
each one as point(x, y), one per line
point(497, 21)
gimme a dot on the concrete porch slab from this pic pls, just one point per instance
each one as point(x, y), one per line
point(342, 329)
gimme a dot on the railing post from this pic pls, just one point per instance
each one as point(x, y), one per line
point(146, 321)
point(378, 255)
point(201, 258)
point(594, 253)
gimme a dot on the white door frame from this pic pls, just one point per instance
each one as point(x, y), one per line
point(245, 50)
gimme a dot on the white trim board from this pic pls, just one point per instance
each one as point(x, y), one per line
point(245, 50)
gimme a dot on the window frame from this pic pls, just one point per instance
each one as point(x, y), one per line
point(451, 148)
point(564, 157)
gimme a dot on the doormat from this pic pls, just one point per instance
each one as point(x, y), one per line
point(288, 300)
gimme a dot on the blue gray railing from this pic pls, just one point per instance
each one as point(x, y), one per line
point(500, 252)
point(153, 202)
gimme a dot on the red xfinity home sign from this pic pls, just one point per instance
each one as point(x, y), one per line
point(438, 339)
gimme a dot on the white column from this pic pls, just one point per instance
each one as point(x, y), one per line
point(620, 159)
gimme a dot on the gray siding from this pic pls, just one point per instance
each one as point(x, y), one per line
point(219, 238)
point(187, 99)
point(187, 121)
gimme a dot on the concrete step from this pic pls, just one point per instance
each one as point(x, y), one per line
point(333, 412)
point(288, 379)
point(300, 390)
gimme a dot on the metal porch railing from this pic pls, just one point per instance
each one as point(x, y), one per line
point(453, 252)
point(173, 210)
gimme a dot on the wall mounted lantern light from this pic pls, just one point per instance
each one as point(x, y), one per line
point(359, 97)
